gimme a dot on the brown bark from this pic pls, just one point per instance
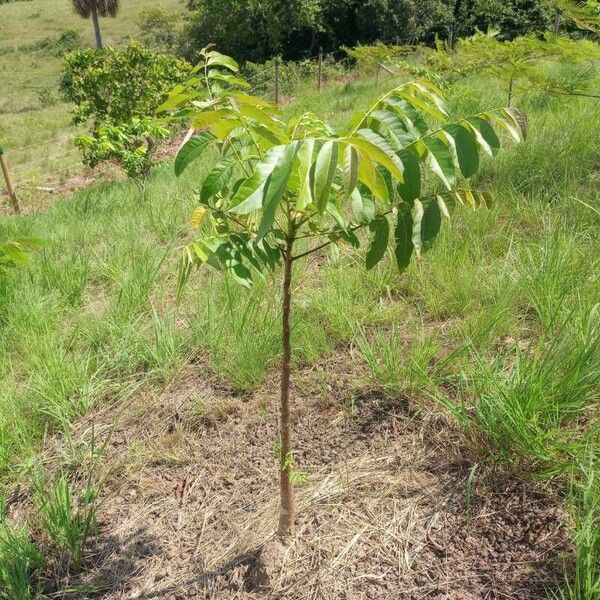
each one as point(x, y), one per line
point(287, 507)
point(9, 184)
point(97, 32)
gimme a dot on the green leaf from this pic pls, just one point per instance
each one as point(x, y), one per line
point(206, 118)
point(431, 223)
point(350, 172)
point(467, 150)
point(410, 188)
point(324, 172)
point(275, 188)
point(217, 179)
point(389, 182)
point(304, 156)
point(429, 108)
point(228, 78)
point(333, 211)
point(191, 150)
point(413, 119)
point(372, 179)
point(380, 229)
point(216, 59)
point(487, 138)
point(268, 254)
point(242, 98)
point(403, 236)
point(441, 160)
point(265, 119)
point(377, 154)
point(249, 196)
point(363, 208)
point(417, 218)
point(175, 100)
point(394, 127)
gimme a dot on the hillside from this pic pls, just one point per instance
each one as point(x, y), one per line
point(32, 112)
point(445, 418)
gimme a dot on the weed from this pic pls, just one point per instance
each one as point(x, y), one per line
point(399, 365)
point(583, 576)
point(18, 558)
point(68, 520)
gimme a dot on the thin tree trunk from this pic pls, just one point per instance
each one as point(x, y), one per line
point(557, 16)
point(97, 32)
point(287, 508)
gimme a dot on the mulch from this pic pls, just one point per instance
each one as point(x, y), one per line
point(395, 504)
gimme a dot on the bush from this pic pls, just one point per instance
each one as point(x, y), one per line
point(66, 41)
point(159, 29)
point(118, 85)
point(118, 92)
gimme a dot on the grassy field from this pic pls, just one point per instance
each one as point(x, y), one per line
point(492, 341)
point(498, 323)
point(32, 112)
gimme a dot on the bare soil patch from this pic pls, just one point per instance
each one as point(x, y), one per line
point(387, 510)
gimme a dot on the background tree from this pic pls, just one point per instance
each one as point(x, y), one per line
point(159, 29)
point(282, 191)
point(584, 13)
point(257, 30)
point(553, 64)
point(114, 91)
point(253, 29)
point(95, 9)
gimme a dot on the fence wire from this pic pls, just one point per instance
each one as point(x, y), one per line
point(21, 169)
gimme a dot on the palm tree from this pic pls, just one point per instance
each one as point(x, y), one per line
point(95, 8)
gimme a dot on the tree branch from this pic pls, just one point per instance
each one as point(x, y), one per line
point(325, 244)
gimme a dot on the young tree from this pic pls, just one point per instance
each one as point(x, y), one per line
point(584, 13)
point(553, 64)
point(96, 8)
point(283, 191)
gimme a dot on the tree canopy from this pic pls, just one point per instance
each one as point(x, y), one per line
point(105, 8)
point(259, 29)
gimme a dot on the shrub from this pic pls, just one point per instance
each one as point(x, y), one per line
point(59, 45)
point(117, 91)
point(159, 29)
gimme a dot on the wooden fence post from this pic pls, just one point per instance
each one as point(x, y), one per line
point(320, 70)
point(9, 184)
point(277, 81)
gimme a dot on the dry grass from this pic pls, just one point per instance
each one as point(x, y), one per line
point(192, 501)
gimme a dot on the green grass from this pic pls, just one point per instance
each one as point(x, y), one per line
point(498, 322)
point(18, 557)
